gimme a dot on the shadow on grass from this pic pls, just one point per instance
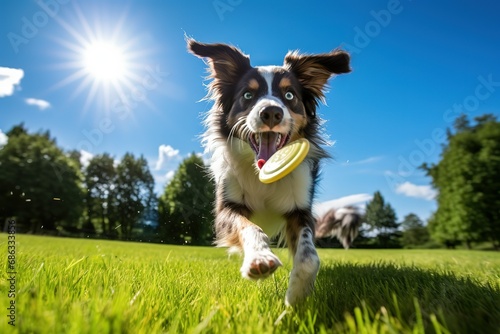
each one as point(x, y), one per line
point(461, 305)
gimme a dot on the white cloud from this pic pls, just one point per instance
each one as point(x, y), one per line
point(164, 167)
point(206, 157)
point(3, 139)
point(9, 78)
point(169, 176)
point(166, 154)
point(85, 158)
point(357, 200)
point(161, 180)
point(366, 161)
point(412, 190)
point(41, 104)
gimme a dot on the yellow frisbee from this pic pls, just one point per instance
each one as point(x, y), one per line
point(284, 161)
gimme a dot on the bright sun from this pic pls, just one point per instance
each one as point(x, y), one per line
point(103, 58)
point(104, 62)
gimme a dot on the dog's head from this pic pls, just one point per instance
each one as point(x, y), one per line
point(267, 106)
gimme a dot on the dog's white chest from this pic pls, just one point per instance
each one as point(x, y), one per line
point(268, 202)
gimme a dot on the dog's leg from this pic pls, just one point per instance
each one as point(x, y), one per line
point(233, 229)
point(259, 262)
point(300, 239)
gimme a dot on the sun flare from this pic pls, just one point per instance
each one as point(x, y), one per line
point(104, 61)
point(104, 57)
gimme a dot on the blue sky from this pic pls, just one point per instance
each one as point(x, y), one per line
point(416, 66)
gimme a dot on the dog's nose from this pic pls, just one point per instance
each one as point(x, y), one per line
point(271, 116)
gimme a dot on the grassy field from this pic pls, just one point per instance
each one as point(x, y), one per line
point(96, 286)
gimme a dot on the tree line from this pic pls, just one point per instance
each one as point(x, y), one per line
point(48, 191)
point(467, 180)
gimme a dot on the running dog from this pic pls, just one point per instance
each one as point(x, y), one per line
point(257, 111)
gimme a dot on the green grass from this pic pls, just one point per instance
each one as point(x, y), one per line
point(96, 286)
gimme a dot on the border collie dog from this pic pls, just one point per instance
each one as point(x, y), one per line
point(256, 111)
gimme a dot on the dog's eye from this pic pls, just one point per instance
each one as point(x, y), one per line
point(289, 96)
point(248, 96)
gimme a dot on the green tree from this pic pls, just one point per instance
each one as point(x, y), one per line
point(185, 208)
point(76, 156)
point(132, 194)
point(414, 231)
point(100, 179)
point(382, 218)
point(39, 184)
point(468, 180)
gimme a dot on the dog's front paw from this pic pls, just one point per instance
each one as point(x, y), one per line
point(259, 265)
point(302, 280)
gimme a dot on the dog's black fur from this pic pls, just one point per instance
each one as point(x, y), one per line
point(256, 111)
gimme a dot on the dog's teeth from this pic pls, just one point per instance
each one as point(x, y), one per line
point(278, 140)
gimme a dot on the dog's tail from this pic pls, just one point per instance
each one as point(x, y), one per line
point(343, 223)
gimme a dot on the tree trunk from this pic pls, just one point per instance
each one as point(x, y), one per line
point(103, 221)
point(496, 244)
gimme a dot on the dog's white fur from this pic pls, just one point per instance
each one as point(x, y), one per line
point(305, 269)
point(248, 210)
point(233, 165)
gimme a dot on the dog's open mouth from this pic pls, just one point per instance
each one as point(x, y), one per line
point(265, 144)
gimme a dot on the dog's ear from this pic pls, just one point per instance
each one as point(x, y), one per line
point(227, 63)
point(313, 71)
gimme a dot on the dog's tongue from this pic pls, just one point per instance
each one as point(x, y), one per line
point(267, 147)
